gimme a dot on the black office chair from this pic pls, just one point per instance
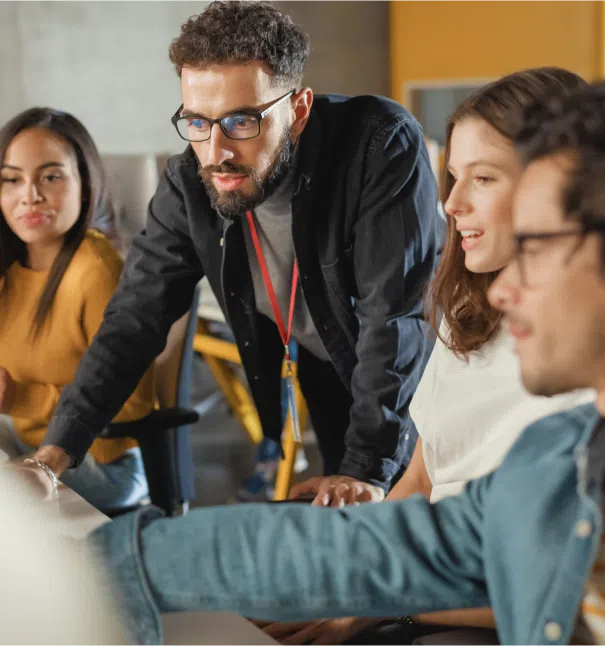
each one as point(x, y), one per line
point(163, 435)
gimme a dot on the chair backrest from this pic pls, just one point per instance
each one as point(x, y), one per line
point(168, 364)
point(175, 364)
point(132, 181)
point(161, 160)
point(174, 376)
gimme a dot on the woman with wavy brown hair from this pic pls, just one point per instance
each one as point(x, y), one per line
point(470, 406)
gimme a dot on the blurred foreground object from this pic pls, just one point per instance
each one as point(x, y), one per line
point(50, 589)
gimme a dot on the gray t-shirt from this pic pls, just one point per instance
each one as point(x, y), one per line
point(273, 219)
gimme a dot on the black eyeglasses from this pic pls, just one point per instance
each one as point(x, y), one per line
point(534, 267)
point(244, 125)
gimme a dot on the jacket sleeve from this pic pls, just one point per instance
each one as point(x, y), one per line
point(396, 243)
point(98, 293)
point(162, 270)
point(297, 562)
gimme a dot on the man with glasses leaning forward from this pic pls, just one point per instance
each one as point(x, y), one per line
point(527, 539)
point(341, 185)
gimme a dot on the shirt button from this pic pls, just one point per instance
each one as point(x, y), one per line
point(553, 631)
point(246, 344)
point(583, 528)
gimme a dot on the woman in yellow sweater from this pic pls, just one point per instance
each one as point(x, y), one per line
point(56, 278)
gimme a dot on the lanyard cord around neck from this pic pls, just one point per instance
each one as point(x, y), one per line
point(284, 333)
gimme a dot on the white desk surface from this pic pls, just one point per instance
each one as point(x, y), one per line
point(77, 518)
point(74, 516)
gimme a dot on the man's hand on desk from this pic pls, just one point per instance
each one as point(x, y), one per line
point(337, 491)
point(7, 390)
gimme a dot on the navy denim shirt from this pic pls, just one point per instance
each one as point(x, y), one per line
point(522, 539)
point(366, 232)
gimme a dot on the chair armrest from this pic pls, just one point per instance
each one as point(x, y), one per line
point(158, 420)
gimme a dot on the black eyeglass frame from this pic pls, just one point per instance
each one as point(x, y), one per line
point(521, 238)
point(259, 116)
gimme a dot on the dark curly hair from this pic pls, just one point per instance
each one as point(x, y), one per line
point(574, 124)
point(236, 31)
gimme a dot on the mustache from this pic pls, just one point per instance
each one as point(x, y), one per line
point(227, 168)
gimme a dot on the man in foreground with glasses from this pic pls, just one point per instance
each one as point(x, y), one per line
point(526, 539)
point(314, 221)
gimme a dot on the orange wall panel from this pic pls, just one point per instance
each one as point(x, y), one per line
point(464, 40)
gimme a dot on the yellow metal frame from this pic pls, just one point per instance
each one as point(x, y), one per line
point(285, 470)
point(218, 354)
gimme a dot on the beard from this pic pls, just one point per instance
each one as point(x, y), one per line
point(233, 203)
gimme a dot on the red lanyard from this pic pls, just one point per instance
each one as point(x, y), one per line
point(284, 334)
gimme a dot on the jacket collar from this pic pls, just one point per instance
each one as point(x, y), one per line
point(310, 143)
point(590, 450)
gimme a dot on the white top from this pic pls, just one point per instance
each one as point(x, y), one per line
point(470, 414)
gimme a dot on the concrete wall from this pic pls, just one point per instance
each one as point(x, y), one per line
point(107, 62)
point(11, 88)
point(350, 45)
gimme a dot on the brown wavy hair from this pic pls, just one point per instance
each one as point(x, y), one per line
point(457, 293)
point(96, 210)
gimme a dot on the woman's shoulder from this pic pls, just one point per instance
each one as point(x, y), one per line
point(97, 254)
point(496, 352)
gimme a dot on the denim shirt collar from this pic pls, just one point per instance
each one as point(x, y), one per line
point(590, 457)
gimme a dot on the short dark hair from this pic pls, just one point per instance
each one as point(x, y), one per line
point(573, 124)
point(240, 31)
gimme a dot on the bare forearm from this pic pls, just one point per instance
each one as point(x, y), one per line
point(414, 480)
point(407, 486)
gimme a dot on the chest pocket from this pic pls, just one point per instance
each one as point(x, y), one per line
point(340, 278)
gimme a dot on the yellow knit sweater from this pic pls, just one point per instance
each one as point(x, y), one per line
point(42, 366)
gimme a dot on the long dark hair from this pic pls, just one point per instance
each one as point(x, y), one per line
point(458, 293)
point(96, 210)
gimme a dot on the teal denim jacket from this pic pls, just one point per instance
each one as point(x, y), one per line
point(521, 539)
